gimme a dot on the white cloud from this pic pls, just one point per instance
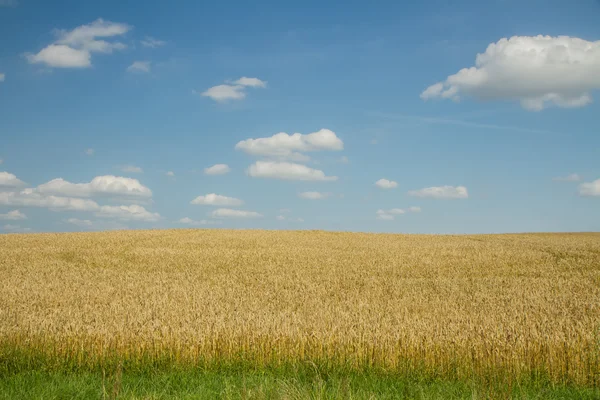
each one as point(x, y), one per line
point(170, 173)
point(106, 185)
point(13, 215)
point(132, 212)
point(9, 180)
point(441, 192)
point(252, 82)
point(152, 43)
point(89, 152)
point(287, 171)
point(217, 169)
point(237, 91)
point(535, 70)
point(213, 199)
point(139, 66)
point(222, 93)
point(230, 213)
point(568, 178)
point(32, 198)
point(284, 146)
point(73, 49)
point(132, 169)
point(386, 184)
point(83, 223)
point(189, 221)
point(389, 215)
point(15, 228)
point(590, 188)
point(314, 195)
point(283, 218)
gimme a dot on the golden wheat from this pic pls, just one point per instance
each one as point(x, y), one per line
point(455, 305)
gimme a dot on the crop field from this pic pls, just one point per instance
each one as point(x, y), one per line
point(514, 308)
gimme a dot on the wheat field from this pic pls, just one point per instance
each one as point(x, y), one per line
point(453, 306)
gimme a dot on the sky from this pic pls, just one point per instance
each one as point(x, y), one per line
point(409, 117)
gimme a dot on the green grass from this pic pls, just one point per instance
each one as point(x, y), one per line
point(306, 382)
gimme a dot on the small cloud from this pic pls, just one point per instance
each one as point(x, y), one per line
point(441, 192)
point(82, 223)
point(386, 184)
point(15, 228)
point(343, 160)
point(189, 221)
point(590, 188)
point(230, 213)
point(568, 178)
point(14, 215)
point(132, 169)
point(217, 169)
point(89, 152)
point(251, 82)
point(152, 43)
point(287, 171)
point(314, 195)
point(213, 199)
point(132, 212)
point(280, 218)
point(237, 91)
point(139, 66)
point(170, 174)
point(390, 215)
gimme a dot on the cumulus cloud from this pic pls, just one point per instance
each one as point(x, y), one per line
point(9, 180)
point(217, 169)
point(73, 49)
point(536, 70)
point(13, 215)
point(314, 195)
point(32, 198)
point(132, 212)
point(567, 178)
point(386, 184)
point(287, 171)
point(152, 43)
point(235, 91)
point(441, 192)
point(390, 215)
point(290, 147)
point(82, 223)
point(213, 199)
point(106, 185)
point(230, 213)
point(139, 66)
point(131, 169)
point(189, 221)
point(590, 188)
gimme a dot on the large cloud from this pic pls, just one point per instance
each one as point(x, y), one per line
point(106, 185)
point(9, 180)
point(284, 146)
point(287, 171)
point(442, 192)
point(537, 71)
point(73, 49)
point(214, 199)
point(32, 198)
point(590, 188)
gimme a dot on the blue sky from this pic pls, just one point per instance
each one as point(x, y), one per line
point(111, 112)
